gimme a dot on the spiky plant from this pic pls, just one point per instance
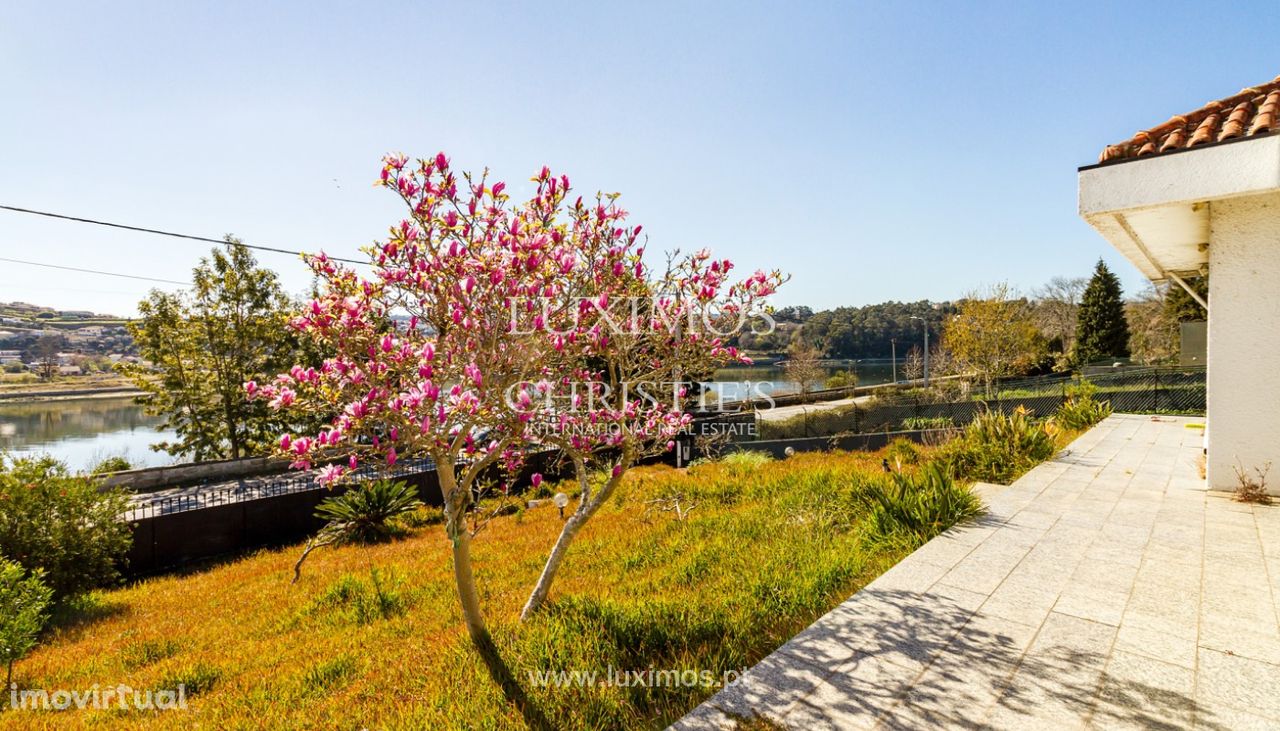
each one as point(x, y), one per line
point(916, 507)
point(360, 514)
point(996, 447)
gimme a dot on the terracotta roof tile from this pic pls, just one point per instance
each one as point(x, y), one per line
point(1254, 111)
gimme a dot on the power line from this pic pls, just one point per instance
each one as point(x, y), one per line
point(167, 233)
point(95, 271)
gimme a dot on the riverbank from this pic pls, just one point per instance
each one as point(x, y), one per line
point(76, 387)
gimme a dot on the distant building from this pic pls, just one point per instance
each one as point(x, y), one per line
point(10, 356)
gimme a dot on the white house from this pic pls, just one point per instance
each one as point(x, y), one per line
point(1201, 194)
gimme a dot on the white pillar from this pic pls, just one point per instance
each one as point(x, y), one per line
point(1244, 339)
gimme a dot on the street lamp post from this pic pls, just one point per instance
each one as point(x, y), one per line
point(925, 324)
point(893, 353)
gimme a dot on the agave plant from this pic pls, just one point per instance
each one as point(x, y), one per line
point(996, 447)
point(919, 506)
point(1081, 411)
point(360, 514)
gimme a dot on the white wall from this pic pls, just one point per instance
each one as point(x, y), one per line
point(1244, 339)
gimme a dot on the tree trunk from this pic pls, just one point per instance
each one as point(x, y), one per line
point(586, 509)
point(456, 499)
point(567, 533)
point(467, 594)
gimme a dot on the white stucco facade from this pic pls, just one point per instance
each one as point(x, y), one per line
point(1244, 338)
point(1214, 210)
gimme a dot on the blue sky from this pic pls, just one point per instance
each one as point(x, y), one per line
point(874, 150)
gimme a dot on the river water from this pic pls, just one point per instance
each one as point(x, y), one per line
point(83, 432)
point(734, 383)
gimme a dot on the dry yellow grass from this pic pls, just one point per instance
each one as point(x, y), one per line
point(768, 549)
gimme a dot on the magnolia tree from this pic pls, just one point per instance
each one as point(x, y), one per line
point(489, 329)
point(619, 382)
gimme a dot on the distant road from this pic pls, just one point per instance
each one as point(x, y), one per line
point(41, 392)
point(779, 413)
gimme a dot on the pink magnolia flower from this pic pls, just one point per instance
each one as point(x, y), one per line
point(330, 474)
point(460, 268)
point(284, 398)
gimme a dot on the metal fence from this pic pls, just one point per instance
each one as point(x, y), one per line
point(197, 523)
point(1163, 390)
point(1130, 390)
point(253, 488)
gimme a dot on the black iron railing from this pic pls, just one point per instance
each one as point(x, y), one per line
point(254, 488)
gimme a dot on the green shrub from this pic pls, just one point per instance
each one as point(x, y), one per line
point(996, 447)
point(111, 464)
point(363, 511)
point(918, 423)
point(1080, 410)
point(842, 379)
point(24, 601)
point(914, 508)
point(902, 451)
point(352, 600)
point(746, 461)
point(61, 523)
point(421, 517)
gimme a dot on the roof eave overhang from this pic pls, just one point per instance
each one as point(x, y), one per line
point(1154, 209)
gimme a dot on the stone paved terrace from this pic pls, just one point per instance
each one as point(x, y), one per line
point(1105, 589)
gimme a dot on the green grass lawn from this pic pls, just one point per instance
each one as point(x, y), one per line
point(371, 636)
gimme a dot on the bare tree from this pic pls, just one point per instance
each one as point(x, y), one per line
point(46, 352)
point(1055, 307)
point(803, 367)
point(942, 362)
point(913, 366)
point(1153, 333)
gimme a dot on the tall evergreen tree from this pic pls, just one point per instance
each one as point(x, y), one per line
point(1101, 328)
